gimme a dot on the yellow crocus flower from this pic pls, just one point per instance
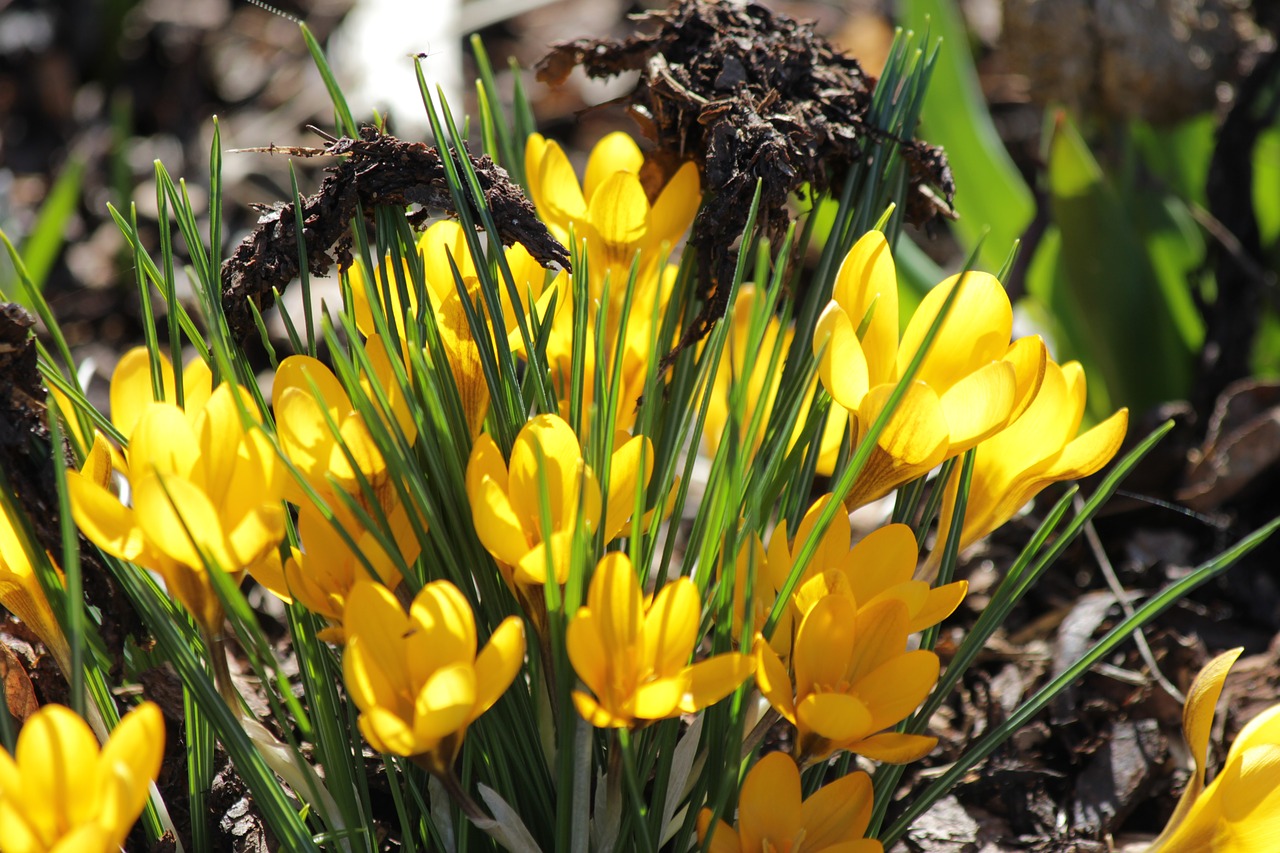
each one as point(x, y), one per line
point(60, 793)
point(969, 386)
point(416, 677)
point(854, 678)
point(611, 209)
point(633, 655)
point(307, 398)
point(204, 487)
point(1239, 811)
point(506, 503)
point(772, 817)
point(879, 567)
point(1038, 448)
point(611, 213)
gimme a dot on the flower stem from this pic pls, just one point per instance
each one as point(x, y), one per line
point(634, 787)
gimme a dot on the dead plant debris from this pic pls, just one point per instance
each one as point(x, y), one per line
point(752, 96)
point(376, 169)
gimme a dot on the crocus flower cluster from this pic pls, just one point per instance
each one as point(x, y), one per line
point(312, 497)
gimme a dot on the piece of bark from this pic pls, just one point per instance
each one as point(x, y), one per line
point(376, 169)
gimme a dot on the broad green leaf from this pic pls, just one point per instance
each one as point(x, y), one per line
point(1108, 295)
point(1266, 185)
point(990, 193)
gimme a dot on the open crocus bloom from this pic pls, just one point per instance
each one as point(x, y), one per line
point(634, 654)
point(969, 385)
point(610, 209)
point(877, 568)
point(60, 793)
point(416, 676)
point(207, 489)
point(854, 678)
point(771, 816)
point(1239, 812)
point(612, 213)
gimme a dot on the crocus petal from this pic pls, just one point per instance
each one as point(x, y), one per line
point(440, 243)
point(671, 626)
point(163, 440)
point(588, 653)
point(712, 679)
point(837, 717)
point(896, 688)
point(1030, 360)
point(675, 206)
point(131, 388)
point(978, 405)
point(867, 282)
point(940, 603)
point(387, 732)
point(498, 663)
point(769, 808)
point(546, 454)
point(825, 644)
point(619, 211)
point(614, 597)
point(842, 364)
point(368, 682)
point(558, 186)
point(658, 699)
point(1087, 453)
point(179, 520)
point(772, 678)
point(894, 748)
point(884, 558)
point(443, 704)
point(496, 523)
point(374, 615)
point(49, 747)
point(136, 748)
point(596, 714)
point(108, 523)
point(629, 471)
point(882, 634)
point(725, 839)
point(615, 152)
point(442, 631)
point(838, 811)
point(975, 332)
